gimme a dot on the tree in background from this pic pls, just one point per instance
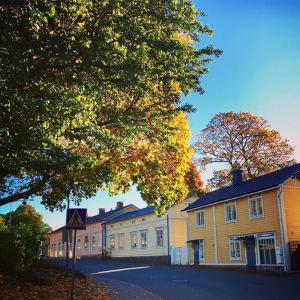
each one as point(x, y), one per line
point(20, 241)
point(241, 140)
point(193, 180)
point(82, 83)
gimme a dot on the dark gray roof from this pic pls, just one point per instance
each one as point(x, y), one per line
point(97, 218)
point(264, 182)
point(132, 214)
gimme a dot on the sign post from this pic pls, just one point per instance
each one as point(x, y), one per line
point(76, 219)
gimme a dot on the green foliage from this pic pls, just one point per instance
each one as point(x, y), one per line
point(20, 243)
point(83, 81)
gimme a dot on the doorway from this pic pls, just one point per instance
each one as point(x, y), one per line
point(196, 252)
point(251, 256)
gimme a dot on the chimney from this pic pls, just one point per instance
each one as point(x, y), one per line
point(237, 176)
point(101, 211)
point(119, 205)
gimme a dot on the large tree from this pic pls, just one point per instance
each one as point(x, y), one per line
point(244, 141)
point(82, 82)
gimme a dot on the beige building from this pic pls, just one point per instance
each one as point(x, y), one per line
point(141, 235)
point(89, 241)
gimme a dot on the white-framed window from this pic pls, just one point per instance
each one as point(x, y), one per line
point(112, 242)
point(86, 241)
point(200, 218)
point(143, 234)
point(159, 236)
point(266, 245)
point(78, 244)
point(121, 238)
point(235, 249)
point(230, 212)
point(201, 249)
point(256, 206)
point(94, 243)
point(133, 239)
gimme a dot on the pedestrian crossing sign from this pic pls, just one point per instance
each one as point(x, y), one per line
point(76, 218)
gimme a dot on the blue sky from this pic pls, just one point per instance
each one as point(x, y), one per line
point(258, 72)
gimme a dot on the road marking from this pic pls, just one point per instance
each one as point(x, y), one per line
point(180, 280)
point(120, 270)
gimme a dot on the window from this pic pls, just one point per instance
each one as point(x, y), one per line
point(201, 249)
point(235, 249)
point(266, 243)
point(78, 244)
point(112, 242)
point(159, 237)
point(86, 241)
point(58, 247)
point(144, 238)
point(94, 241)
point(230, 212)
point(200, 218)
point(133, 238)
point(255, 207)
point(121, 241)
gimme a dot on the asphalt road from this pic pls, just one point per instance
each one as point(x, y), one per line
point(143, 281)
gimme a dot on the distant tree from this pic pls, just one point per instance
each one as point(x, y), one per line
point(242, 140)
point(82, 82)
point(20, 243)
point(193, 180)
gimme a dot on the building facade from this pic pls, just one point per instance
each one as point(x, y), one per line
point(140, 235)
point(248, 224)
point(89, 242)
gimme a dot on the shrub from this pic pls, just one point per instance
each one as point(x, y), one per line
point(20, 242)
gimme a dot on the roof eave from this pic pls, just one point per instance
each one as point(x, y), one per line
point(234, 198)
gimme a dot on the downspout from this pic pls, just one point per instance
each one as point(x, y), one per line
point(215, 236)
point(168, 232)
point(103, 239)
point(284, 242)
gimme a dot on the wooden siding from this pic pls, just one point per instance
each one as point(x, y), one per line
point(148, 222)
point(206, 233)
point(90, 249)
point(291, 200)
point(177, 223)
point(243, 226)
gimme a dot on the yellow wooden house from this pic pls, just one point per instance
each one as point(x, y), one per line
point(253, 223)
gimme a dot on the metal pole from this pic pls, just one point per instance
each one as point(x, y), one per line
point(73, 265)
point(67, 246)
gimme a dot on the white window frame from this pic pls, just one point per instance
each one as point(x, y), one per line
point(201, 211)
point(202, 244)
point(121, 235)
point(78, 243)
point(133, 245)
point(235, 240)
point(146, 245)
point(262, 236)
point(229, 203)
point(86, 244)
point(112, 238)
point(94, 241)
point(252, 198)
point(157, 229)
